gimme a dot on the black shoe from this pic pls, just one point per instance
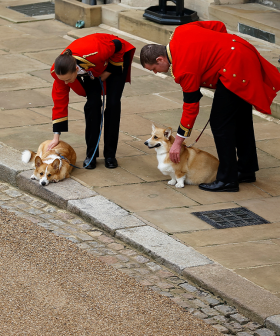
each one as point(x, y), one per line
point(246, 177)
point(92, 165)
point(219, 186)
point(111, 163)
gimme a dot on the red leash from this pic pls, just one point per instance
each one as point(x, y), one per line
point(199, 135)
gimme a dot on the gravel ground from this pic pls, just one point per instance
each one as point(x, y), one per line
point(48, 286)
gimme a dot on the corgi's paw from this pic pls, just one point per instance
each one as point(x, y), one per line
point(33, 177)
point(179, 185)
point(55, 181)
point(172, 182)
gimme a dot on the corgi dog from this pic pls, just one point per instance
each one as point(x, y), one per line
point(196, 166)
point(49, 166)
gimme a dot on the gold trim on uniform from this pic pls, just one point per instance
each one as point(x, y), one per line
point(170, 60)
point(187, 130)
point(169, 53)
point(85, 56)
point(116, 63)
point(59, 120)
point(85, 64)
point(52, 71)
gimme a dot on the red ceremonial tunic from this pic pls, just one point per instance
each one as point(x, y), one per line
point(201, 53)
point(93, 53)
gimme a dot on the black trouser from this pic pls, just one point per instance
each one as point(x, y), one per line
point(114, 89)
point(231, 121)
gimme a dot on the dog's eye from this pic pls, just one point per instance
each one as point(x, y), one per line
point(49, 175)
point(155, 137)
point(41, 174)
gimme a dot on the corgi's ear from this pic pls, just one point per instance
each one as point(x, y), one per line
point(153, 127)
point(38, 161)
point(56, 164)
point(167, 132)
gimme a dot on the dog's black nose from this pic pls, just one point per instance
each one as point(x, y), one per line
point(43, 183)
point(146, 143)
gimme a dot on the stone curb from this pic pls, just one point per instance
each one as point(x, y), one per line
point(11, 164)
point(55, 193)
point(163, 248)
point(251, 300)
point(99, 210)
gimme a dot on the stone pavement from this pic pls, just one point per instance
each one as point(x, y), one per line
point(239, 264)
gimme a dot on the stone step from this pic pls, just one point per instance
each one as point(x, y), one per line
point(254, 15)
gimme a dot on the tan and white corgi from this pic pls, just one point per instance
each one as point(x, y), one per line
point(196, 166)
point(49, 166)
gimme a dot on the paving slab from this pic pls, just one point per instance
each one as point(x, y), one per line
point(131, 105)
point(136, 125)
point(259, 253)
point(28, 44)
point(56, 193)
point(267, 208)
point(266, 276)
point(23, 64)
point(43, 74)
point(175, 220)
point(11, 100)
point(46, 112)
point(102, 176)
point(21, 117)
point(230, 235)
point(10, 164)
point(47, 56)
point(267, 160)
point(103, 213)
point(250, 299)
point(147, 84)
point(7, 32)
point(50, 27)
point(163, 248)
point(146, 196)
point(143, 166)
point(271, 147)
point(73, 97)
point(247, 191)
point(20, 81)
point(180, 219)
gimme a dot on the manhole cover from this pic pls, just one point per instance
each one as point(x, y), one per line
point(36, 9)
point(228, 218)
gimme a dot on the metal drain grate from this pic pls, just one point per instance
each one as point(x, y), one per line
point(229, 218)
point(36, 9)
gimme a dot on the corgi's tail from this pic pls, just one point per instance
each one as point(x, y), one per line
point(27, 156)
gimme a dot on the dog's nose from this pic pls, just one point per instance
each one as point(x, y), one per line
point(43, 183)
point(146, 143)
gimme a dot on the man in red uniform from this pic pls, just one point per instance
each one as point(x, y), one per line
point(79, 68)
point(203, 54)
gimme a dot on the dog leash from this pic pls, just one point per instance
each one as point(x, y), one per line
point(198, 136)
point(101, 124)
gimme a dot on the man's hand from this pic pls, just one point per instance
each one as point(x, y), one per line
point(54, 142)
point(105, 75)
point(175, 149)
